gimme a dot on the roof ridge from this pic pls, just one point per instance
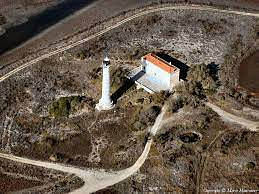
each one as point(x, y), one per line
point(163, 64)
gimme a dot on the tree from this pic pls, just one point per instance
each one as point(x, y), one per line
point(200, 83)
point(175, 104)
point(202, 76)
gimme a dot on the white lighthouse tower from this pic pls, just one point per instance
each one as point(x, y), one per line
point(105, 103)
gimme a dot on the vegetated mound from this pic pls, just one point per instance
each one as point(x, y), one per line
point(65, 106)
point(249, 73)
point(189, 137)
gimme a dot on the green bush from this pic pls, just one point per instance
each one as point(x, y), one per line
point(191, 93)
point(75, 101)
point(159, 98)
point(80, 55)
point(250, 165)
point(60, 108)
point(201, 83)
point(63, 106)
point(118, 77)
point(199, 75)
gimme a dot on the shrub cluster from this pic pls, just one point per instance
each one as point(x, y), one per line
point(229, 70)
point(63, 106)
point(118, 77)
point(81, 55)
point(202, 81)
point(147, 117)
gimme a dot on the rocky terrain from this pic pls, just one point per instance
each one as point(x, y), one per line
point(48, 110)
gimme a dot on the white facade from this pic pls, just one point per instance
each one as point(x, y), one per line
point(105, 103)
point(158, 77)
point(156, 74)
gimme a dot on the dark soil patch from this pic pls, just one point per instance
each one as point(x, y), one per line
point(189, 137)
point(248, 73)
point(10, 184)
point(2, 19)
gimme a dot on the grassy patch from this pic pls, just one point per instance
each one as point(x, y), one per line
point(64, 106)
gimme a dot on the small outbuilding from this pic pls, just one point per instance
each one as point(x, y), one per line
point(156, 74)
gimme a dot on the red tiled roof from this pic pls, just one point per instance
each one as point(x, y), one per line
point(159, 62)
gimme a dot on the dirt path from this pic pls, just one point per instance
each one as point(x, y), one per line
point(142, 13)
point(251, 125)
point(95, 179)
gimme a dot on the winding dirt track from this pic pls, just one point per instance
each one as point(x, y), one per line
point(173, 7)
point(96, 180)
point(251, 125)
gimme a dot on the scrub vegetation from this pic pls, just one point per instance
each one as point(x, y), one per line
point(48, 110)
point(64, 106)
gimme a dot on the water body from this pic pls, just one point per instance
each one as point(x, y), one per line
point(249, 73)
point(17, 35)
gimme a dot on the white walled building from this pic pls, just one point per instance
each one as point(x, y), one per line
point(158, 74)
